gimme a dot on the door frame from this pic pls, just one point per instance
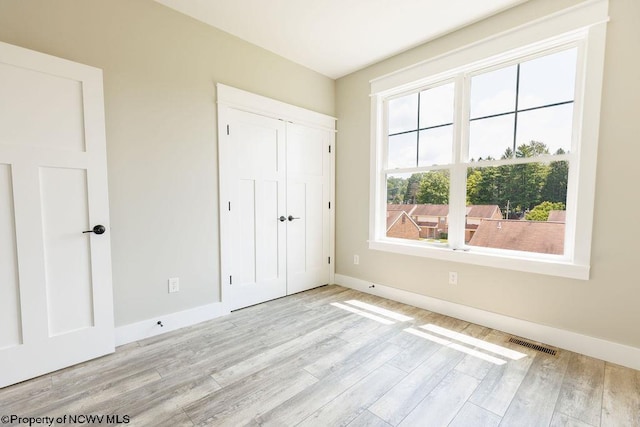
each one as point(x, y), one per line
point(231, 98)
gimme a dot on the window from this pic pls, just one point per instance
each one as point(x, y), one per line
point(493, 160)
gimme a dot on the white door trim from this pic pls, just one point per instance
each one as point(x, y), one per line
point(258, 104)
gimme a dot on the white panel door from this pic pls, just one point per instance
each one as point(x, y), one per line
point(254, 238)
point(55, 281)
point(275, 216)
point(308, 196)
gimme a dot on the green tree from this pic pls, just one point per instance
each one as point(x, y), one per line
point(474, 182)
point(411, 191)
point(555, 187)
point(434, 188)
point(524, 182)
point(486, 187)
point(541, 211)
point(396, 189)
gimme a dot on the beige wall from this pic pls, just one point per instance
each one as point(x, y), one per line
point(605, 306)
point(160, 70)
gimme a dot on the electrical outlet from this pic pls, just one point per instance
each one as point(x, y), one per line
point(356, 259)
point(174, 284)
point(453, 278)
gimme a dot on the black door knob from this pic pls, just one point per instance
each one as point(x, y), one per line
point(291, 218)
point(282, 218)
point(98, 229)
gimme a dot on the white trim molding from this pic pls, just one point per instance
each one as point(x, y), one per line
point(171, 322)
point(584, 344)
point(252, 103)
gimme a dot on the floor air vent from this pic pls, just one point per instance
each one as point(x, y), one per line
point(533, 346)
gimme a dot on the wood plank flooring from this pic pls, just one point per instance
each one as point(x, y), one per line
point(302, 361)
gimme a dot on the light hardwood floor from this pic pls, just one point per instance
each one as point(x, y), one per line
point(302, 361)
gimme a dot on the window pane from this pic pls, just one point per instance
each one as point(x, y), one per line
point(436, 106)
point(403, 150)
point(493, 92)
point(403, 114)
point(551, 126)
point(418, 206)
point(436, 146)
point(517, 207)
point(491, 138)
point(548, 80)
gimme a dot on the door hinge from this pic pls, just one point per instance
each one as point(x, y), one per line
point(230, 280)
point(229, 206)
point(227, 129)
point(329, 205)
point(329, 260)
point(329, 149)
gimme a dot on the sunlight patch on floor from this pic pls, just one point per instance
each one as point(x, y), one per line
point(456, 346)
point(363, 313)
point(379, 310)
point(364, 309)
point(493, 348)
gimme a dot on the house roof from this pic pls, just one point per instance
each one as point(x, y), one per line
point(431, 210)
point(398, 207)
point(558, 216)
point(529, 236)
point(473, 211)
point(482, 211)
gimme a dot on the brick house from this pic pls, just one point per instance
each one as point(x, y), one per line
point(476, 214)
point(433, 220)
point(400, 225)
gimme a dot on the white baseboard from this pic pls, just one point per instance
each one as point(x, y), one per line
point(595, 347)
point(149, 328)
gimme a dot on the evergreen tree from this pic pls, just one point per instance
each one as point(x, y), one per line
point(555, 187)
point(411, 192)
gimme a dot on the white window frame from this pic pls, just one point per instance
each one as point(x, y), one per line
point(582, 26)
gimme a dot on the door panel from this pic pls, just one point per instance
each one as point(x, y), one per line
point(10, 333)
point(60, 123)
point(254, 237)
point(55, 295)
point(267, 231)
point(64, 204)
point(308, 192)
point(244, 208)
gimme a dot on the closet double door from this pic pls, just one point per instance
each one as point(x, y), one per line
point(275, 208)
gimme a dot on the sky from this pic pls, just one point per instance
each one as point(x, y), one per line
point(546, 80)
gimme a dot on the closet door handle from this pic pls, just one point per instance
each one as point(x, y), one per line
point(282, 219)
point(291, 218)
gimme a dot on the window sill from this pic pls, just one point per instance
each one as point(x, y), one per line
point(559, 268)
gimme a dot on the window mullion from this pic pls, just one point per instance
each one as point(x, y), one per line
point(458, 193)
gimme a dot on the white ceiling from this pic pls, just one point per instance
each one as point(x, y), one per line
point(337, 37)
